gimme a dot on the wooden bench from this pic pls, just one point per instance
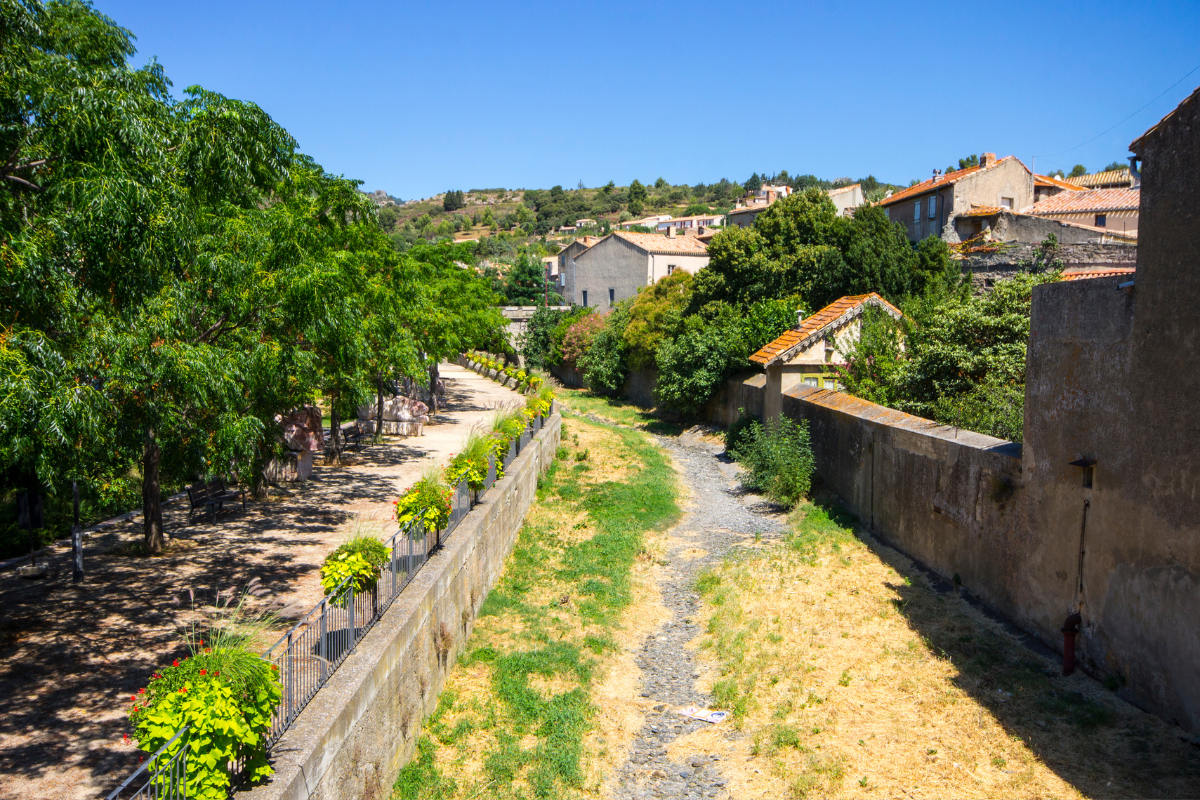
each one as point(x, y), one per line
point(354, 436)
point(213, 495)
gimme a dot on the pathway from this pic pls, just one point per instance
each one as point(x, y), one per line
point(719, 519)
point(71, 656)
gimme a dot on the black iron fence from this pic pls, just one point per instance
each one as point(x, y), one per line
point(309, 653)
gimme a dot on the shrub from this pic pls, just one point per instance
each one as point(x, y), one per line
point(604, 363)
point(578, 337)
point(739, 433)
point(362, 558)
point(427, 500)
point(778, 459)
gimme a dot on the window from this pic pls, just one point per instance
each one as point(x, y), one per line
point(831, 384)
point(933, 206)
point(612, 296)
point(813, 381)
point(917, 212)
point(670, 268)
point(1006, 202)
point(1102, 220)
point(585, 298)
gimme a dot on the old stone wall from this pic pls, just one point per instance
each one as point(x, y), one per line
point(361, 727)
point(987, 268)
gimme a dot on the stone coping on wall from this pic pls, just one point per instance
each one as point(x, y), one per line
point(866, 410)
point(355, 735)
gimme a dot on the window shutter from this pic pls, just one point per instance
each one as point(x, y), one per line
point(917, 212)
point(933, 206)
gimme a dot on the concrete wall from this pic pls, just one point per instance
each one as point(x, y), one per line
point(743, 391)
point(1026, 228)
point(660, 265)
point(360, 729)
point(612, 264)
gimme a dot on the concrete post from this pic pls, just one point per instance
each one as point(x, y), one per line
point(773, 392)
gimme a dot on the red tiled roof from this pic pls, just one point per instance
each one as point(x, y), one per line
point(1050, 180)
point(1102, 180)
point(943, 180)
point(813, 327)
point(1088, 201)
point(981, 211)
point(1098, 273)
point(661, 243)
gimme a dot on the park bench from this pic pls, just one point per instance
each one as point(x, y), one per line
point(213, 495)
point(354, 436)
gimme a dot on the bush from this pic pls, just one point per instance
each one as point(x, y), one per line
point(362, 558)
point(778, 458)
point(471, 463)
point(537, 342)
point(739, 433)
point(578, 337)
point(604, 364)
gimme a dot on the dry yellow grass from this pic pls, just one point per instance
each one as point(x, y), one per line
point(850, 676)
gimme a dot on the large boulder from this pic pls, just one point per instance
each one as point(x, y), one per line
point(303, 429)
point(397, 409)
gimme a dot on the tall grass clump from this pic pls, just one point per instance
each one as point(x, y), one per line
point(778, 459)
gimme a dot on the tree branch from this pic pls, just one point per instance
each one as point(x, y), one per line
point(23, 182)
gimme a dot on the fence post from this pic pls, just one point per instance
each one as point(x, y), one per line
point(287, 664)
point(350, 608)
point(322, 649)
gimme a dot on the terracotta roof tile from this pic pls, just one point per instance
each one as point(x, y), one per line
point(1049, 180)
point(981, 211)
point(1098, 273)
point(1101, 179)
point(661, 243)
point(1087, 201)
point(943, 180)
point(812, 327)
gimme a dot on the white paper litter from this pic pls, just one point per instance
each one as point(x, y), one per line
point(705, 714)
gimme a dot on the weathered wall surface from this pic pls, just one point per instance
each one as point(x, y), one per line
point(613, 264)
point(1006, 263)
point(639, 387)
point(742, 391)
point(353, 738)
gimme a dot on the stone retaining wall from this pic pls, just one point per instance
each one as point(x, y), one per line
point(360, 729)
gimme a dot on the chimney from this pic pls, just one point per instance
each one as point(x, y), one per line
point(987, 159)
point(670, 231)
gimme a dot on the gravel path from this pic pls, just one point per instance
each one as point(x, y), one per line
point(719, 519)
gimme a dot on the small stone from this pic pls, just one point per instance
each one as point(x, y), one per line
point(660, 708)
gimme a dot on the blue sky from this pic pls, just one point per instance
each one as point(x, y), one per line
point(417, 98)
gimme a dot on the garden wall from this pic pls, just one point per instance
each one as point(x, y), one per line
point(360, 729)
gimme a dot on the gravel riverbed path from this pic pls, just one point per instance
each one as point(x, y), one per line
point(718, 519)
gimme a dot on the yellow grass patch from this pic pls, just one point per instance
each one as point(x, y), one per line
point(849, 676)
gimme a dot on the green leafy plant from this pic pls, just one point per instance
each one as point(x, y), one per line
point(472, 463)
point(428, 500)
point(779, 460)
point(361, 559)
point(224, 692)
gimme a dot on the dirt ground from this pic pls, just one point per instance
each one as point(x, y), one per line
point(71, 656)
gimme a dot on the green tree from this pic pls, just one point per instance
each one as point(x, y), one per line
point(1115, 165)
point(637, 192)
point(453, 200)
point(1077, 170)
point(753, 184)
point(655, 314)
point(525, 284)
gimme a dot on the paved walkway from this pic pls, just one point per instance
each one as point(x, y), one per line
point(719, 519)
point(71, 656)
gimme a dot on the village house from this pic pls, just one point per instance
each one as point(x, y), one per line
point(755, 203)
point(846, 198)
point(928, 207)
point(646, 222)
point(566, 256)
point(1112, 211)
point(1111, 179)
point(811, 352)
point(691, 223)
point(615, 267)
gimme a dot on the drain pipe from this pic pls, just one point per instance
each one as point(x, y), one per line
point(1070, 630)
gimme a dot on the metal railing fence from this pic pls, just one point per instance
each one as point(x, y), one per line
point(165, 774)
point(309, 653)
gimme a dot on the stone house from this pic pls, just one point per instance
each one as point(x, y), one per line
point(694, 222)
point(566, 258)
point(755, 203)
point(928, 207)
point(846, 198)
point(1101, 210)
point(810, 353)
point(615, 267)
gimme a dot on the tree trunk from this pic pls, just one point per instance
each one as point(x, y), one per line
point(379, 408)
point(335, 435)
point(152, 521)
point(260, 487)
point(433, 381)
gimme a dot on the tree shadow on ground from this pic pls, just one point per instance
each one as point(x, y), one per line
point(1101, 745)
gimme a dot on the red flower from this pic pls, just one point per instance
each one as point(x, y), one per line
point(133, 698)
point(141, 691)
point(217, 674)
point(203, 672)
point(274, 667)
point(175, 663)
point(183, 690)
